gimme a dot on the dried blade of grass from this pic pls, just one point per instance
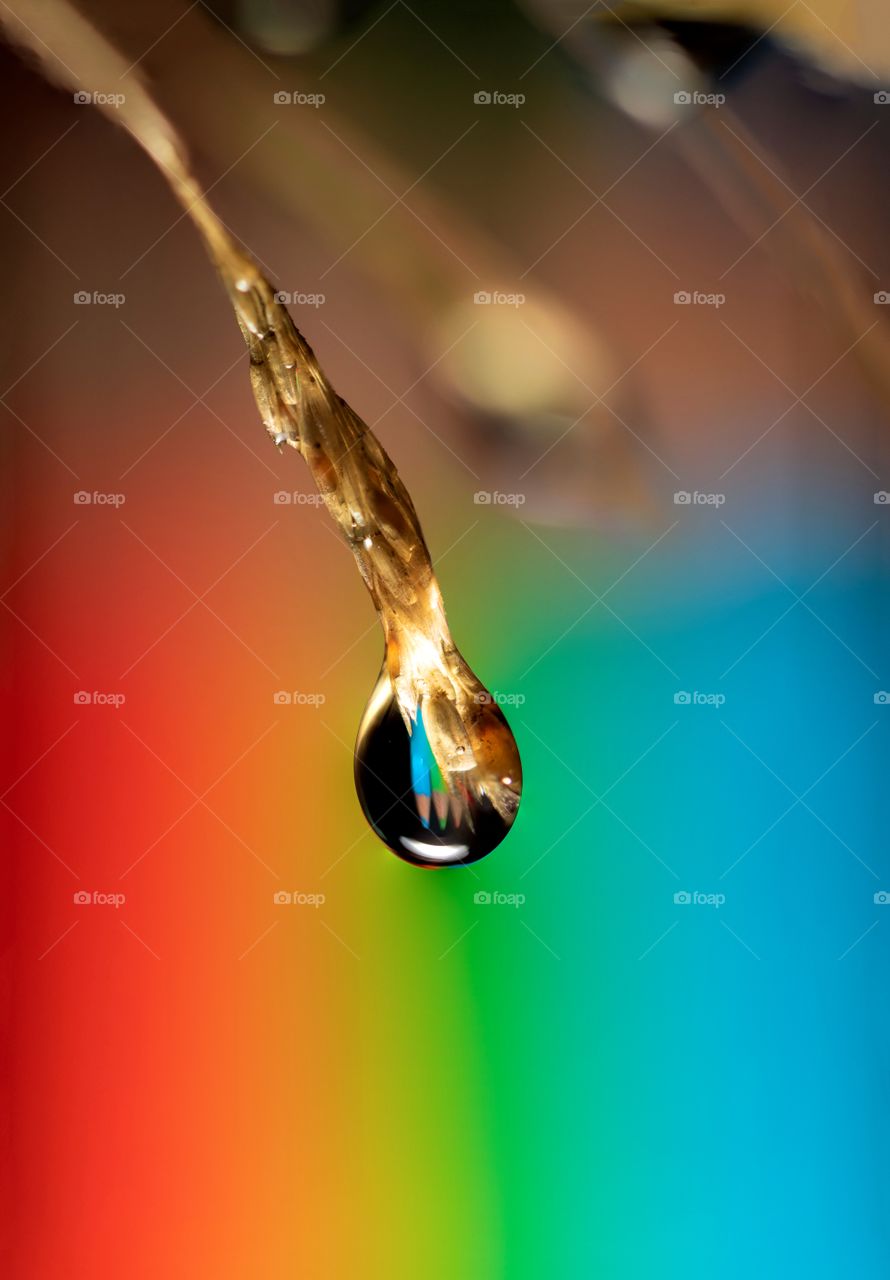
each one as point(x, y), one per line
point(360, 485)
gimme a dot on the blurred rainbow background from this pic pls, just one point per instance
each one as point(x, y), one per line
point(645, 1037)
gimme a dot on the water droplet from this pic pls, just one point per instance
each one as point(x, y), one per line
point(407, 802)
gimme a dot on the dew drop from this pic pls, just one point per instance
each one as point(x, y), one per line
point(405, 800)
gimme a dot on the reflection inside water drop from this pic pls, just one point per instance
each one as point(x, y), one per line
point(405, 799)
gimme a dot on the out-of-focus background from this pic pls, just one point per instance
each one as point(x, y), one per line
point(611, 285)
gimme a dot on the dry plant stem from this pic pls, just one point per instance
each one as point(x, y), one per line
point(358, 481)
point(366, 497)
